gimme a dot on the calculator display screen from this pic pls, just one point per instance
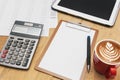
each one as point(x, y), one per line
point(30, 30)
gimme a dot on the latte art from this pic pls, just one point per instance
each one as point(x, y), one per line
point(109, 52)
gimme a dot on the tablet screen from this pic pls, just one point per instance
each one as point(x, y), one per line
point(99, 8)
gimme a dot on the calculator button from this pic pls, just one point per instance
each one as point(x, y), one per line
point(21, 54)
point(11, 37)
point(16, 53)
point(31, 44)
point(27, 55)
point(29, 51)
point(25, 62)
point(20, 42)
point(7, 47)
point(1, 60)
point(3, 55)
point(19, 39)
point(14, 45)
point(23, 51)
point(14, 57)
point(9, 57)
point(12, 61)
point(10, 40)
point(30, 48)
point(27, 40)
point(19, 45)
point(26, 43)
point(11, 53)
point(24, 47)
point(18, 63)
point(12, 48)
point(15, 41)
point(19, 58)
point(33, 41)
point(5, 51)
point(17, 50)
point(7, 61)
point(8, 44)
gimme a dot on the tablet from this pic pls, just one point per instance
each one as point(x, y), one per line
point(101, 11)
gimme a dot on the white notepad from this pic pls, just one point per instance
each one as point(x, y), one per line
point(65, 54)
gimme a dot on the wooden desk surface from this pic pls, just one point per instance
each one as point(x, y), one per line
point(31, 74)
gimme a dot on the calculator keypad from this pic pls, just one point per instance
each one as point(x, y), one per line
point(18, 52)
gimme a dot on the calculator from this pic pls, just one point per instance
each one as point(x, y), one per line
point(21, 44)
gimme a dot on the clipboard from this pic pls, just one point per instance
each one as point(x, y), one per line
point(65, 54)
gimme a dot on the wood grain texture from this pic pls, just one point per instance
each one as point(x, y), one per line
point(7, 73)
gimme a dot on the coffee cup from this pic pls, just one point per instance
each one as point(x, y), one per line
point(106, 57)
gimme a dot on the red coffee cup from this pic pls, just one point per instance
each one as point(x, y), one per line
point(106, 57)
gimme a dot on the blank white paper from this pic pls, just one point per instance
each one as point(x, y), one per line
point(66, 55)
point(36, 11)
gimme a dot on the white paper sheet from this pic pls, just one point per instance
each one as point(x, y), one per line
point(37, 11)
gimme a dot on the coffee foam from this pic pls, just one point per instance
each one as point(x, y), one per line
point(109, 51)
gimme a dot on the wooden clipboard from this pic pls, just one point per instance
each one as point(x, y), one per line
point(47, 51)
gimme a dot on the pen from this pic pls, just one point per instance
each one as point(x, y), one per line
point(88, 54)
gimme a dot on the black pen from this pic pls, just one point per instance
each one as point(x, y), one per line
point(88, 54)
